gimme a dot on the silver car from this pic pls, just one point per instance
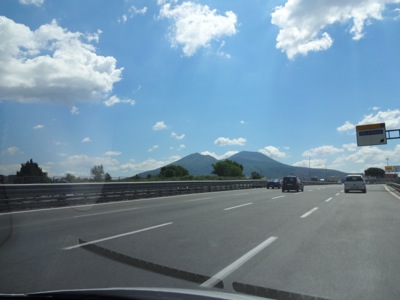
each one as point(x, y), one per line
point(354, 183)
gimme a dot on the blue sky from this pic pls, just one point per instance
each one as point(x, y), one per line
point(134, 85)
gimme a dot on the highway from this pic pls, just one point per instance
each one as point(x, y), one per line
point(320, 242)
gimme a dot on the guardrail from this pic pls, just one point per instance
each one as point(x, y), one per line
point(396, 186)
point(15, 197)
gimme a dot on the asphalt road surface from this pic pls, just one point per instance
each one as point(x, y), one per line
point(320, 242)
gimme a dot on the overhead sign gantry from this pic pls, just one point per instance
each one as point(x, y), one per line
point(371, 134)
point(375, 134)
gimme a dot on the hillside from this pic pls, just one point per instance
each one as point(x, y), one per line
point(198, 164)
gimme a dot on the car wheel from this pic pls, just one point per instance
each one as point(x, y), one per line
point(346, 191)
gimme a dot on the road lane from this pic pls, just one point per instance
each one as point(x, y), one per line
point(348, 250)
point(38, 236)
point(203, 239)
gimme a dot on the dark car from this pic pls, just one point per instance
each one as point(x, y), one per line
point(292, 183)
point(274, 183)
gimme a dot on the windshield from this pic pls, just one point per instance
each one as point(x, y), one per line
point(134, 151)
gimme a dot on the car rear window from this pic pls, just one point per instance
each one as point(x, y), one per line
point(289, 179)
point(354, 178)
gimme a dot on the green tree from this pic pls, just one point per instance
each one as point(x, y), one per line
point(374, 172)
point(70, 177)
point(173, 171)
point(97, 173)
point(228, 168)
point(32, 173)
point(108, 177)
point(255, 175)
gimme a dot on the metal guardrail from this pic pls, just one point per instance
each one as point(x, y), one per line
point(396, 186)
point(15, 197)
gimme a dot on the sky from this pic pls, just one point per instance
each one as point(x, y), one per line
point(134, 85)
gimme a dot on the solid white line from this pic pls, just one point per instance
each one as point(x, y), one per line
point(329, 199)
point(238, 263)
point(393, 194)
point(277, 197)
point(233, 207)
point(240, 194)
point(309, 213)
point(117, 236)
point(106, 212)
point(200, 199)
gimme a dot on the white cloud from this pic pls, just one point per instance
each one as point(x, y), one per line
point(83, 163)
point(369, 155)
point(350, 147)
point(52, 64)
point(9, 169)
point(132, 12)
point(146, 165)
point(159, 126)
point(39, 126)
point(58, 143)
point(31, 2)
point(195, 26)
point(86, 140)
point(94, 37)
point(323, 150)
point(272, 151)
point(223, 141)
point(346, 127)
point(112, 153)
point(303, 23)
point(153, 148)
point(115, 100)
point(12, 150)
point(178, 137)
point(220, 157)
point(74, 110)
point(123, 18)
point(390, 117)
point(181, 147)
point(313, 163)
point(397, 11)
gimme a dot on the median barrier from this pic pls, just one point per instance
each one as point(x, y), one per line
point(15, 197)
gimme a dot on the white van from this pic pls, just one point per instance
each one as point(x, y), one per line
point(354, 183)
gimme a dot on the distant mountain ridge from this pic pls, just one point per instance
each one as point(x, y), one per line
point(198, 164)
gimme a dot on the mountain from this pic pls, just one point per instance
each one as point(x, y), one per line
point(270, 168)
point(198, 164)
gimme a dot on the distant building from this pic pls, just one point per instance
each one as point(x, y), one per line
point(390, 176)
